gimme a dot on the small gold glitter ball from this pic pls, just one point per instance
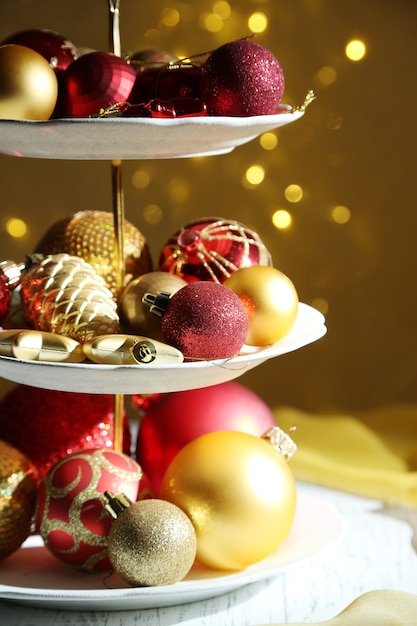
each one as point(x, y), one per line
point(152, 543)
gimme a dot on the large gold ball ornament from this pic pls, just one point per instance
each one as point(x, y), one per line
point(270, 299)
point(18, 483)
point(239, 493)
point(28, 84)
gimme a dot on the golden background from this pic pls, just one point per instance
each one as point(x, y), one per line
point(350, 245)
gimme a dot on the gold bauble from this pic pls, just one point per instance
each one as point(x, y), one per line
point(28, 84)
point(136, 316)
point(18, 481)
point(91, 236)
point(270, 299)
point(239, 493)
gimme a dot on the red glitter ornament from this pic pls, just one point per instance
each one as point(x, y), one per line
point(95, 81)
point(205, 320)
point(71, 517)
point(47, 425)
point(212, 249)
point(54, 47)
point(242, 78)
point(174, 419)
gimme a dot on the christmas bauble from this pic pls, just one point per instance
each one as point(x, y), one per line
point(18, 480)
point(63, 294)
point(71, 517)
point(242, 78)
point(93, 82)
point(4, 296)
point(239, 493)
point(271, 302)
point(151, 57)
point(135, 315)
point(212, 249)
point(47, 425)
point(166, 82)
point(28, 84)
point(205, 320)
point(174, 419)
point(151, 542)
point(54, 47)
point(90, 235)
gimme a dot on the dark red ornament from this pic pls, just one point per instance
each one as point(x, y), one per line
point(176, 107)
point(166, 82)
point(212, 249)
point(242, 78)
point(47, 425)
point(94, 82)
point(59, 51)
point(4, 296)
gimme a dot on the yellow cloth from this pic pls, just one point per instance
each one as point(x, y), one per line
point(377, 608)
point(372, 455)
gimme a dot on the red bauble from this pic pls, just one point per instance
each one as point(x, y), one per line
point(95, 81)
point(205, 320)
point(174, 419)
point(165, 82)
point(47, 425)
point(71, 517)
point(4, 296)
point(55, 48)
point(212, 249)
point(242, 78)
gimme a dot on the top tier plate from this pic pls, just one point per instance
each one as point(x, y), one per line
point(135, 138)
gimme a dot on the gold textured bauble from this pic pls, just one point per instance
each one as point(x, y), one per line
point(90, 235)
point(271, 302)
point(239, 493)
point(18, 481)
point(28, 84)
point(136, 317)
point(152, 543)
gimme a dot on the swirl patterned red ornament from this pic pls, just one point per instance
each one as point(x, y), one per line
point(71, 517)
point(212, 249)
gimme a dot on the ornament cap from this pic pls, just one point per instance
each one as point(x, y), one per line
point(281, 441)
point(157, 303)
point(116, 504)
point(12, 271)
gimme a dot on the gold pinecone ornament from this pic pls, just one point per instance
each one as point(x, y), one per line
point(90, 235)
point(63, 294)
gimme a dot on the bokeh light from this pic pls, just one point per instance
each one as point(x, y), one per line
point(282, 219)
point(293, 193)
point(257, 22)
point(269, 140)
point(340, 214)
point(16, 227)
point(254, 175)
point(355, 50)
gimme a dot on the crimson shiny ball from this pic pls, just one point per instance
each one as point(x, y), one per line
point(242, 78)
point(47, 425)
point(95, 81)
point(54, 47)
point(174, 419)
point(205, 320)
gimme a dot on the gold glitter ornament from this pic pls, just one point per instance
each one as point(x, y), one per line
point(90, 235)
point(18, 480)
point(63, 294)
point(151, 542)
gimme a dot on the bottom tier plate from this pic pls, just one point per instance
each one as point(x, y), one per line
point(131, 379)
point(34, 577)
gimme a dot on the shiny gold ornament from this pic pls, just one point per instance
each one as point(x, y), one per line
point(151, 542)
point(239, 493)
point(18, 480)
point(63, 294)
point(130, 350)
point(90, 235)
point(136, 316)
point(28, 84)
point(271, 302)
point(37, 345)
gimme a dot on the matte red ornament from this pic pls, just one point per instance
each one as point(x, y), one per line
point(94, 82)
point(174, 419)
point(71, 517)
point(59, 51)
point(242, 78)
point(212, 249)
point(47, 425)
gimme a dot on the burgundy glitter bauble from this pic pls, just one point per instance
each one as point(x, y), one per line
point(47, 425)
point(212, 249)
point(4, 296)
point(241, 78)
point(94, 82)
point(55, 48)
point(205, 320)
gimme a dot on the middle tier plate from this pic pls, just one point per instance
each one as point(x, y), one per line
point(131, 379)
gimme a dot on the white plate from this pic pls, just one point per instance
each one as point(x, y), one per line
point(33, 576)
point(131, 379)
point(134, 138)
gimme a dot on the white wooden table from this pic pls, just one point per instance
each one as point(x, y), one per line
point(377, 553)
